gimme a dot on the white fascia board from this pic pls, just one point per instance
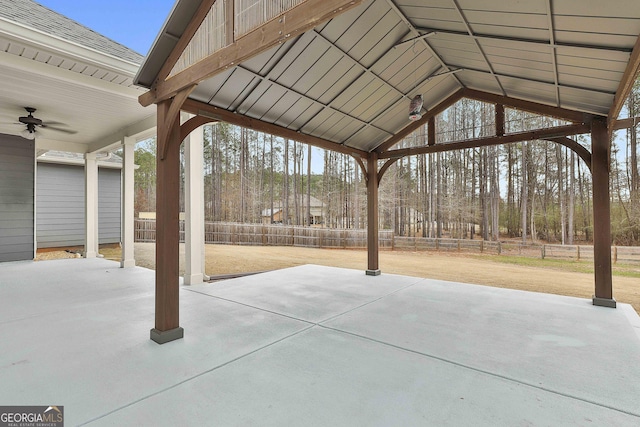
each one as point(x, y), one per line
point(141, 130)
point(31, 66)
point(55, 145)
point(78, 162)
point(39, 40)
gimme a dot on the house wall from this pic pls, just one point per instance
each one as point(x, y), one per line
point(60, 205)
point(17, 159)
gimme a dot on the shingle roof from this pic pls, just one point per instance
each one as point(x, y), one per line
point(32, 14)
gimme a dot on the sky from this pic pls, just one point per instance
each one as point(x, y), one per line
point(133, 23)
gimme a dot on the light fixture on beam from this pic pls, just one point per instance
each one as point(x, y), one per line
point(415, 108)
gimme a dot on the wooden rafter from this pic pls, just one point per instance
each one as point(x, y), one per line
point(532, 107)
point(553, 132)
point(292, 23)
point(626, 83)
point(200, 108)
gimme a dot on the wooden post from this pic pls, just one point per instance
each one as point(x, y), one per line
point(167, 229)
point(600, 167)
point(373, 243)
point(431, 131)
point(499, 120)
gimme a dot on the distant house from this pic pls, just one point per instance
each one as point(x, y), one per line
point(317, 212)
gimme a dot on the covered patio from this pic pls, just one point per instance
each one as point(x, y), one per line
point(312, 346)
point(357, 77)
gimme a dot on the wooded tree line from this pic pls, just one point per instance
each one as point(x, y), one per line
point(533, 191)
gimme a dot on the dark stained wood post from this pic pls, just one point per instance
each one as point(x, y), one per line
point(167, 326)
point(431, 131)
point(373, 244)
point(600, 167)
point(499, 120)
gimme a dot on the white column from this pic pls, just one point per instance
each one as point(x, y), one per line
point(194, 209)
point(128, 189)
point(90, 205)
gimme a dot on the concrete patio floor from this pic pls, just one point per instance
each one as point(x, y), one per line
point(312, 346)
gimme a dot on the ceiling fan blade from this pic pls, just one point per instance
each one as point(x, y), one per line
point(67, 131)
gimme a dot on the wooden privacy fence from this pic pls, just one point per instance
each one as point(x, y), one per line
point(272, 235)
point(622, 254)
point(332, 238)
point(448, 245)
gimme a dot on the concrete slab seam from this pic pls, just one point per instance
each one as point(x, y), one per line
point(369, 302)
point(482, 371)
point(251, 306)
point(186, 380)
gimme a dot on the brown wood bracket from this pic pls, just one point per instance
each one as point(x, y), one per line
point(363, 168)
point(386, 166)
point(582, 152)
point(170, 115)
point(194, 123)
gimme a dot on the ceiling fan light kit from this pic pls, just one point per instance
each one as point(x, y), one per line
point(28, 134)
point(32, 122)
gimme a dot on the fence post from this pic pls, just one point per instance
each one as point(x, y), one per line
point(543, 251)
point(578, 250)
point(437, 245)
point(499, 248)
point(459, 245)
point(482, 246)
point(615, 254)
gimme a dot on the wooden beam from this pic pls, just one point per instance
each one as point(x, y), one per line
point(187, 35)
point(292, 23)
point(626, 83)
point(553, 132)
point(532, 107)
point(200, 108)
point(413, 126)
point(625, 123)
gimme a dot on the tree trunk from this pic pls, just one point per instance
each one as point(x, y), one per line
point(524, 197)
point(309, 218)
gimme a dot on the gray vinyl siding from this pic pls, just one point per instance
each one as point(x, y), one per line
point(16, 198)
point(60, 207)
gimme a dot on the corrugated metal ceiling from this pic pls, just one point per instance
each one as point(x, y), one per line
point(350, 80)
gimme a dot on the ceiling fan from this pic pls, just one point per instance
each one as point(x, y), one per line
point(33, 122)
